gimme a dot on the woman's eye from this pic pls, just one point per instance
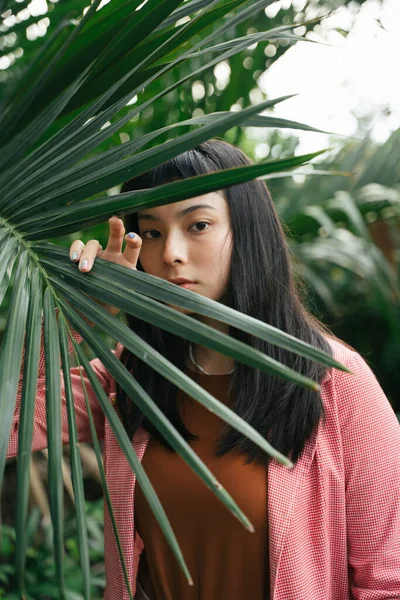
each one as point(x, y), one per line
point(147, 235)
point(201, 225)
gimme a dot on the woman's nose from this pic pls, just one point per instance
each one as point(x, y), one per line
point(174, 250)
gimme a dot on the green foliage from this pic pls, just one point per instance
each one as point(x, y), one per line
point(329, 220)
point(40, 580)
point(351, 285)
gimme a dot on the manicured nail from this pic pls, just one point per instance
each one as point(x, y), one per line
point(74, 256)
point(85, 264)
point(130, 234)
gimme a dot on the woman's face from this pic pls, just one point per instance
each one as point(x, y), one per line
point(189, 240)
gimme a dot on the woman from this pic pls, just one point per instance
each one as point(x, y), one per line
point(328, 529)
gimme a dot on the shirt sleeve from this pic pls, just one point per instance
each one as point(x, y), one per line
point(39, 440)
point(371, 450)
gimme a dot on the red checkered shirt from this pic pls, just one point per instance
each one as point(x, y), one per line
point(334, 519)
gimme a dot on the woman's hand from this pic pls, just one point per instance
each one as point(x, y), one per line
point(85, 255)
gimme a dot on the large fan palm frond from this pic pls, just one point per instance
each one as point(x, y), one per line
point(75, 96)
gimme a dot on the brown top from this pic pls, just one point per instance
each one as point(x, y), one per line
point(224, 559)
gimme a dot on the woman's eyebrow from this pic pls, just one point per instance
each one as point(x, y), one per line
point(179, 213)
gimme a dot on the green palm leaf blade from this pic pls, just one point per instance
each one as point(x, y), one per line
point(158, 362)
point(54, 433)
point(88, 185)
point(166, 318)
point(110, 14)
point(261, 121)
point(99, 459)
point(179, 34)
point(73, 134)
point(188, 7)
point(132, 282)
point(86, 214)
point(162, 53)
point(4, 233)
point(10, 356)
point(7, 259)
point(135, 30)
point(23, 141)
point(76, 467)
point(116, 40)
point(151, 411)
point(12, 116)
point(119, 431)
point(115, 154)
point(91, 110)
point(162, 33)
point(278, 33)
point(102, 28)
point(25, 432)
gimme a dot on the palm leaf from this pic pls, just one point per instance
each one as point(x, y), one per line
point(97, 450)
point(126, 444)
point(54, 128)
point(76, 467)
point(54, 436)
point(77, 138)
point(11, 354)
point(28, 397)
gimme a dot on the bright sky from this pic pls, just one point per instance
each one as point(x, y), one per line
point(358, 74)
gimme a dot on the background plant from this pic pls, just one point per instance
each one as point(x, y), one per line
point(40, 568)
point(345, 233)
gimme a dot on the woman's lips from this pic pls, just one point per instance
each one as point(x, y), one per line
point(187, 286)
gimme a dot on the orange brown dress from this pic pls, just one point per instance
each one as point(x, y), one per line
point(224, 559)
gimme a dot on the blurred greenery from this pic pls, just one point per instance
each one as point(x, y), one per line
point(346, 249)
point(40, 566)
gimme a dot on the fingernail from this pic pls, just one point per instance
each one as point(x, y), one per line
point(74, 256)
point(84, 264)
point(130, 234)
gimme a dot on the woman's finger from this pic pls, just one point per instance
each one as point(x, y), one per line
point(116, 236)
point(132, 248)
point(76, 250)
point(88, 255)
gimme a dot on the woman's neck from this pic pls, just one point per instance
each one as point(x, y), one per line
point(210, 360)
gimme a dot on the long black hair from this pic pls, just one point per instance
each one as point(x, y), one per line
point(261, 284)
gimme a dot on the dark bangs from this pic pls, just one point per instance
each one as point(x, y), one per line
point(261, 285)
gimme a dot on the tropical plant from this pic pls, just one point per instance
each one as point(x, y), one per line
point(332, 224)
point(76, 94)
point(40, 568)
point(346, 248)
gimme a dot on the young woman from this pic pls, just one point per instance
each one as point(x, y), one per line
point(328, 529)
